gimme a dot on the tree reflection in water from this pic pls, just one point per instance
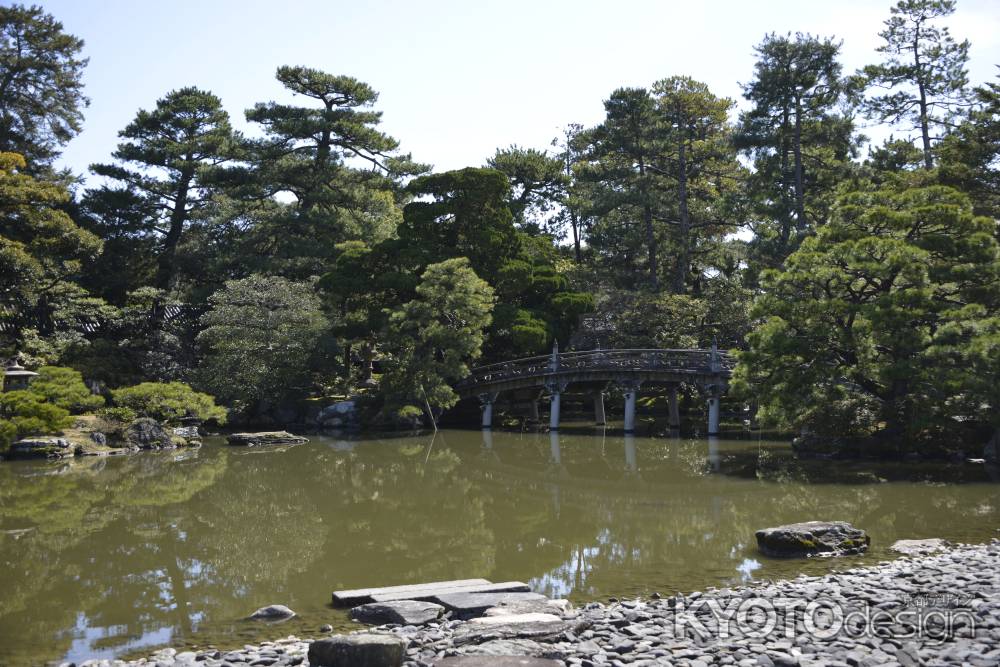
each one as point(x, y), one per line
point(107, 555)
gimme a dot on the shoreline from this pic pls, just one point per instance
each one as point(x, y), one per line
point(942, 608)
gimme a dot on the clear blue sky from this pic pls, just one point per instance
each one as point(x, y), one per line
point(456, 78)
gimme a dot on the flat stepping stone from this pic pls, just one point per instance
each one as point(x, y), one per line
point(495, 661)
point(471, 605)
point(362, 595)
point(433, 594)
point(540, 630)
point(362, 650)
point(508, 607)
point(403, 612)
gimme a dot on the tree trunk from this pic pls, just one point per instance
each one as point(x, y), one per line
point(575, 224)
point(800, 205)
point(786, 225)
point(925, 130)
point(684, 230)
point(647, 219)
point(178, 217)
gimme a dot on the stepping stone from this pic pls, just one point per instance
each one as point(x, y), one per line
point(362, 595)
point(516, 618)
point(471, 605)
point(403, 612)
point(507, 627)
point(362, 650)
point(495, 661)
point(544, 606)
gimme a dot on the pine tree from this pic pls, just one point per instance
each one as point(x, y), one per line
point(168, 157)
point(41, 85)
point(924, 74)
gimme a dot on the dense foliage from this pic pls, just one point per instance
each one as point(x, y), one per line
point(169, 402)
point(313, 259)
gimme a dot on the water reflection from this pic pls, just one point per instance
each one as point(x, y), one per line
point(103, 556)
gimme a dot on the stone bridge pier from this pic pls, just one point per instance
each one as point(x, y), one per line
point(595, 371)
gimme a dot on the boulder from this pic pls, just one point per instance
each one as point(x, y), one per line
point(403, 612)
point(265, 438)
point(99, 438)
point(273, 612)
point(919, 547)
point(40, 448)
point(361, 650)
point(146, 433)
point(810, 538)
point(189, 434)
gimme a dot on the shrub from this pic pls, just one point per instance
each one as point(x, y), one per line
point(24, 413)
point(117, 415)
point(168, 402)
point(64, 387)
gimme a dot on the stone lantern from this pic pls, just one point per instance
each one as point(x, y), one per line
point(15, 376)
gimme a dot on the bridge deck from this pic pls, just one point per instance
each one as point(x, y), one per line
point(645, 365)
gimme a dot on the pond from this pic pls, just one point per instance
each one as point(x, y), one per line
point(106, 557)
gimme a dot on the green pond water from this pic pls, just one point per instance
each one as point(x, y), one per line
point(105, 557)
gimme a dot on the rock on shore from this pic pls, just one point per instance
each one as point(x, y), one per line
point(809, 538)
point(265, 438)
point(954, 593)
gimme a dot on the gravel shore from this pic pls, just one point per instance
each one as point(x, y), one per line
point(942, 609)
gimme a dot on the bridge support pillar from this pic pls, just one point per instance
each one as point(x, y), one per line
point(674, 418)
point(533, 410)
point(486, 401)
point(713, 415)
point(631, 392)
point(554, 411)
point(599, 417)
point(555, 389)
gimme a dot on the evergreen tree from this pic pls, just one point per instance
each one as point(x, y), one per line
point(626, 199)
point(924, 74)
point(344, 174)
point(970, 156)
point(853, 327)
point(537, 182)
point(434, 337)
point(698, 159)
point(798, 142)
point(42, 252)
point(41, 85)
point(168, 158)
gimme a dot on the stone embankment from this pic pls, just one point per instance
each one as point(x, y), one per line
point(938, 609)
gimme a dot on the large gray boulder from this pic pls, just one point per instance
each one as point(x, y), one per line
point(189, 434)
point(810, 538)
point(403, 612)
point(362, 650)
point(265, 438)
point(146, 433)
point(273, 613)
point(40, 448)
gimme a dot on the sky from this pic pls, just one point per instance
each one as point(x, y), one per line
point(456, 78)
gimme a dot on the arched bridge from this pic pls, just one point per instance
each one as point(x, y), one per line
point(709, 369)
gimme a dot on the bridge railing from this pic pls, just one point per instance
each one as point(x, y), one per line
point(690, 361)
